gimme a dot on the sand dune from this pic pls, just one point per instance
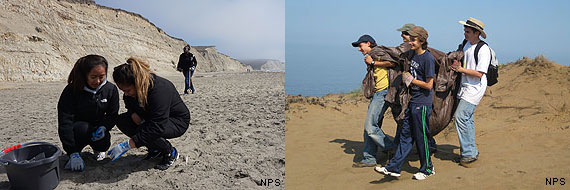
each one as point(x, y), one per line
point(522, 128)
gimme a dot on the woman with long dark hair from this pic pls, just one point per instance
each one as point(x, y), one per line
point(155, 112)
point(87, 110)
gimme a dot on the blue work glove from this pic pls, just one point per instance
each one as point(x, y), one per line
point(120, 149)
point(75, 162)
point(98, 134)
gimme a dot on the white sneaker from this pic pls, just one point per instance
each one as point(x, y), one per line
point(99, 155)
point(383, 170)
point(422, 176)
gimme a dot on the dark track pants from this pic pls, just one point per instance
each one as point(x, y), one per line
point(188, 81)
point(415, 128)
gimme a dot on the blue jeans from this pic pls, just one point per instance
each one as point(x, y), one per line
point(465, 126)
point(415, 128)
point(373, 134)
point(188, 81)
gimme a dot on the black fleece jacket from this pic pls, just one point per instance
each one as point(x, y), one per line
point(99, 109)
point(164, 109)
point(185, 61)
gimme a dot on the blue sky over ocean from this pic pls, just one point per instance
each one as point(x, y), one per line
point(320, 59)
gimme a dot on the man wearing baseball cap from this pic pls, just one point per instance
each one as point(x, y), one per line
point(416, 121)
point(405, 35)
point(374, 137)
point(473, 86)
point(392, 98)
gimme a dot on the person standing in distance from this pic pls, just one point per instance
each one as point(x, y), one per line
point(187, 65)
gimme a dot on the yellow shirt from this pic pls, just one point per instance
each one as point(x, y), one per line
point(381, 75)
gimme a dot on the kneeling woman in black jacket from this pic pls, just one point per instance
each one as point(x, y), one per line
point(87, 110)
point(155, 112)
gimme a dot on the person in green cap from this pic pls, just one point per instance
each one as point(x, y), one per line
point(405, 35)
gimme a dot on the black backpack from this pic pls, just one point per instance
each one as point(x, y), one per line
point(493, 70)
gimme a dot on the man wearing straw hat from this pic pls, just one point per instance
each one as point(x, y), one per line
point(473, 86)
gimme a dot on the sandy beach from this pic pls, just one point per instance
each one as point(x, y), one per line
point(522, 127)
point(235, 139)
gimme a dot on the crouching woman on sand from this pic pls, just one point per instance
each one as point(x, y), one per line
point(155, 112)
point(87, 110)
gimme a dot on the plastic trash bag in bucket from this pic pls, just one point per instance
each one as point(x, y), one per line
point(33, 165)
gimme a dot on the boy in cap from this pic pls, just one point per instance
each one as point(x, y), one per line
point(391, 99)
point(416, 121)
point(405, 46)
point(373, 134)
point(473, 86)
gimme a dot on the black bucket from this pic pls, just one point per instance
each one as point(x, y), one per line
point(32, 165)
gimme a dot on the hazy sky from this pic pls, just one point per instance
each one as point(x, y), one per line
point(319, 33)
point(242, 29)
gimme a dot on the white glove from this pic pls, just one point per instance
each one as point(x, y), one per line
point(75, 162)
point(407, 78)
point(120, 149)
point(98, 134)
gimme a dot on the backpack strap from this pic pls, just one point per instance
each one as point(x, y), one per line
point(460, 48)
point(476, 53)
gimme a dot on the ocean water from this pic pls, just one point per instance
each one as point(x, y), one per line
point(318, 85)
point(317, 71)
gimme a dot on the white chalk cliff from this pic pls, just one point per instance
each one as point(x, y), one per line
point(40, 40)
point(265, 64)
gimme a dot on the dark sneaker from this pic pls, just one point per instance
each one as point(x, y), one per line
point(362, 165)
point(466, 161)
point(152, 154)
point(432, 150)
point(168, 160)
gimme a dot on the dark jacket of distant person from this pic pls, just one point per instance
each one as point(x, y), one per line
point(187, 61)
